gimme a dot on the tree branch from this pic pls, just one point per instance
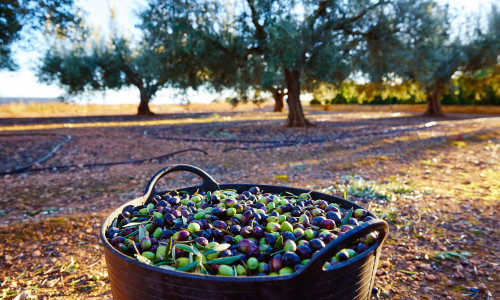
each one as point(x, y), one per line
point(261, 32)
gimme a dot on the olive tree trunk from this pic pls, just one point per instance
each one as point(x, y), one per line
point(144, 104)
point(296, 116)
point(278, 96)
point(434, 104)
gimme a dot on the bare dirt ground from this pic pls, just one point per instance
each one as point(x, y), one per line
point(440, 178)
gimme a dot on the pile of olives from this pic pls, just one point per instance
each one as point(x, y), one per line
point(230, 234)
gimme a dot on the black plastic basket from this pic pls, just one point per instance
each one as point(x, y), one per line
point(351, 279)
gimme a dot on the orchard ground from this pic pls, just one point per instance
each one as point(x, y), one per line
point(435, 180)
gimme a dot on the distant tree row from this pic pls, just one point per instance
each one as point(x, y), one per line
point(283, 47)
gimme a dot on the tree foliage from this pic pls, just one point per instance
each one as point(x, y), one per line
point(51, 15)
point(91, 62)
point(242, 43)
point(424, 50)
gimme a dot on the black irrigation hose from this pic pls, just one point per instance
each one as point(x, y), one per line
point(108, 163)
point(38, 161)
point(321, 140)
point(217, 140)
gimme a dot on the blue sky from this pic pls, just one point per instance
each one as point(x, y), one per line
point(23, 82)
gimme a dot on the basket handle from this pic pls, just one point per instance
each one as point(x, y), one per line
point(209, 184)
point(316, 263)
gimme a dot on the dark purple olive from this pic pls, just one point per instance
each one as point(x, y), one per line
point(367, 218)
point(304, 252)
point(168, 220)
point(219, 212)
point(335, 216)
point(246, 231)
point(220, 224)
point(214, 199)
point(329, 237)
point(327, 224)
point(127, 231)
point(201, 241)
point(244, 244)
point(246, 194)
point(316, 244)
point(158, 222)
point(275, 264)
point(156, 198)
point(332, 208)
point(288, 207)
point(246, 217)
point(204, 224)
point(270, 239)
point(259, 205)
point(117, 240)
point(296, 213)
point(235, 229)
point(228, 239)
point(345, 228)
point(208, 234)
point(298, 267)
point(225, 253)
point(112, 232)
point(163, 203)
point(290, 259)
point(253, 250)
point(176, 213)
point(317, 220)
point(254, 190)
point(287, 235)
point(353, 222)
point(153, 248)
point(361, 248)
point(154, 241)
point(173, 201)
point(185, 213)
point(166, 234)
point(182, 235)
point(322, 204)
point(218, 235)
point(257, 232)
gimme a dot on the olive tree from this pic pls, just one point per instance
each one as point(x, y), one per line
point(87, 61)
point(307, 42)
point(424, 50)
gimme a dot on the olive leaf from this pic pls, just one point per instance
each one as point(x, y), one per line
point(346, 218)
point(279, 243)
point(167, 267)
point(169, 247)
point(221, 247)
point(115, 222)
point(142, 259)
point(134, 224)
point(189, 249)
point(209, 196)
point(225, 260)
point(210, 251)
point(196, 193)
point(189, 267)
point(184, 220)
point(143, 232)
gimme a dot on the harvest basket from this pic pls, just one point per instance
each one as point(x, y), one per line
point(351, 279)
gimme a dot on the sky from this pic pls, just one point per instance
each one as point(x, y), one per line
point(23, 83)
